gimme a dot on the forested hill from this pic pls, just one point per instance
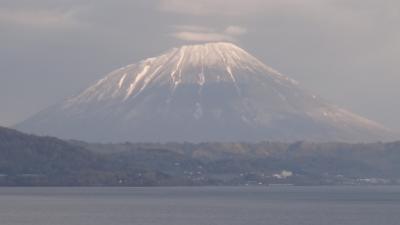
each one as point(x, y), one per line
point(27, 160)
point(32, 160)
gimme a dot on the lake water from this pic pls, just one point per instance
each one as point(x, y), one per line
point(201, 206)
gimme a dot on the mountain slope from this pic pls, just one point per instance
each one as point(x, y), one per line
point(199, 93)
point(29, 160)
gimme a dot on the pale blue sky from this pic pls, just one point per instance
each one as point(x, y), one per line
point(345, 50)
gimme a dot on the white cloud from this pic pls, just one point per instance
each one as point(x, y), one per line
point(201, 37)
point(235, 30)
point(348, 13)
point(39, 17)
point(193, 28)
point(207, 34)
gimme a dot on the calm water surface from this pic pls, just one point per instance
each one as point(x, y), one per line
point(201, 206)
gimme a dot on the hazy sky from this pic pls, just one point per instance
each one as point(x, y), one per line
point(347, 51)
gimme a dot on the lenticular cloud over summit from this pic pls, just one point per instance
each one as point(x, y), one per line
point(200, 93)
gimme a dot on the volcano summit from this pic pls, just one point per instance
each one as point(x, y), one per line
point(200, 93)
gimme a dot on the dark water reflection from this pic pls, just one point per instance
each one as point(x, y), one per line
point(201, 206)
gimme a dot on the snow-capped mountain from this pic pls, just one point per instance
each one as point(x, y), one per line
point(196, 93)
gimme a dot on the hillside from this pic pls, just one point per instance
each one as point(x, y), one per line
point(32, 160)
point(213, 92)
point(27, 160)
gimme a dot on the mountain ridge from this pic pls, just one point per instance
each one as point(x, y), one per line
point(195, 93)
point(29, 160)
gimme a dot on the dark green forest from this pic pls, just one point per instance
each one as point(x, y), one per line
point(28, 160)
